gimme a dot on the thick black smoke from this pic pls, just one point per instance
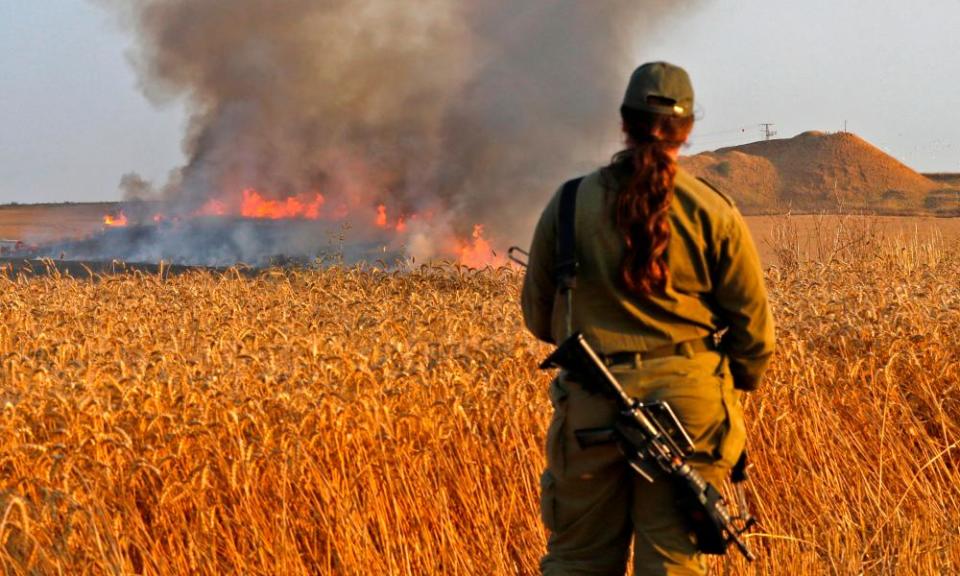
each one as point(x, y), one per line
point(473, 110)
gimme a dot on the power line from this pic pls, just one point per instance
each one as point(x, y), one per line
point(723, 138)
point(721, 141)
point(741, 129)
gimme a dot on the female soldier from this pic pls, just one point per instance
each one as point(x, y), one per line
point(665, 264)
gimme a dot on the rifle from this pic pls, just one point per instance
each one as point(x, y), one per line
point(652, 438)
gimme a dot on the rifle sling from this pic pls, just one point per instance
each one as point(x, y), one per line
point(566, 266)
point(739, 472)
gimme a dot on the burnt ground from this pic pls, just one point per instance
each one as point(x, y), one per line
point(14, 267)
point(219, 242)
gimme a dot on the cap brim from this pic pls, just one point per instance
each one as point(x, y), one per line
point(675, 110)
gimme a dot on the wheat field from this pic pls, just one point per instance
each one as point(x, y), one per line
point(357, 421)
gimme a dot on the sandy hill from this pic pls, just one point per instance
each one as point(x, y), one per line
point(819, 171)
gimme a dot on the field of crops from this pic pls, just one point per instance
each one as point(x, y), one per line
point(363, 422)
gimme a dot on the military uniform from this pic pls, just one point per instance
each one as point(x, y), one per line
point(592, 503)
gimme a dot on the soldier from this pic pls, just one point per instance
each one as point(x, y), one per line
point(665, 264)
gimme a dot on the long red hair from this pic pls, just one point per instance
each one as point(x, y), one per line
point(646, 173)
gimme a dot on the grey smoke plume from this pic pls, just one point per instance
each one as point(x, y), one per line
point(473, 110)
point(135, 188)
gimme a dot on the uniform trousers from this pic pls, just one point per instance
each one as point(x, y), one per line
point(596, 507)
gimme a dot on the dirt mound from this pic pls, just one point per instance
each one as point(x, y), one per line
point(752, 180)
point(816, 171)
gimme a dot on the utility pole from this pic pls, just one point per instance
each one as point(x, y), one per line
point(768, 131)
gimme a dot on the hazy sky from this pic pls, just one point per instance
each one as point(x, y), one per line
point(72, 119)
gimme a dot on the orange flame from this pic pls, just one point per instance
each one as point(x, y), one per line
point(478, 253)
point(115, 221)
point(474, 251)
point(382, 221)
point(256, 206)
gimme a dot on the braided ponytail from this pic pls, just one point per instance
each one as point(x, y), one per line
point(643, 203)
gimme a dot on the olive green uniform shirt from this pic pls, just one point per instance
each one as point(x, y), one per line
point(716, 281)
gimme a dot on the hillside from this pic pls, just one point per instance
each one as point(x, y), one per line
point(820, 171)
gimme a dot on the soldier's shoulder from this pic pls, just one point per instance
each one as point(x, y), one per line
point(596, 179)
point(588, 180)
point(716, 190)
point(703, 193)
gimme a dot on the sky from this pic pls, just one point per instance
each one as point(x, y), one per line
point(73, 120)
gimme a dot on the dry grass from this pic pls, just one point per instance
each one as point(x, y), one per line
point(816, 236)
point(359, 422)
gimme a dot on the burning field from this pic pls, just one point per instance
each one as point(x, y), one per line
point(374, 131)
point(260, 232)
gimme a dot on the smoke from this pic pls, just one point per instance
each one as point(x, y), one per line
point(135, 188)
point(473, 110)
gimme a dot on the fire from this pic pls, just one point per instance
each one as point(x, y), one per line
point(118, 220)
point(383, 222)
point(256, 206)
point(400, 230)
point(478, 252)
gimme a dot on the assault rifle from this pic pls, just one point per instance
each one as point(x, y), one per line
point(652, 439)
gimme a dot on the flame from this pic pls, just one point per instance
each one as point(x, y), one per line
point(478, 253)
point(115, 221)
point(382, 221)
point(256, 206)
point(401, 229)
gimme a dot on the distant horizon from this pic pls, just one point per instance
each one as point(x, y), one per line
point(922, 173)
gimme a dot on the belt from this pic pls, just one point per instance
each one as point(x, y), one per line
point(687, 348)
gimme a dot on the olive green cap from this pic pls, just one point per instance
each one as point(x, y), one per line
point(661, 88)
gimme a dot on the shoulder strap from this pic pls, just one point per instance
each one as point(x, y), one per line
point(566, 267)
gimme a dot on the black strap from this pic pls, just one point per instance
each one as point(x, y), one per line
point(739, 472)
point(566, 267)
